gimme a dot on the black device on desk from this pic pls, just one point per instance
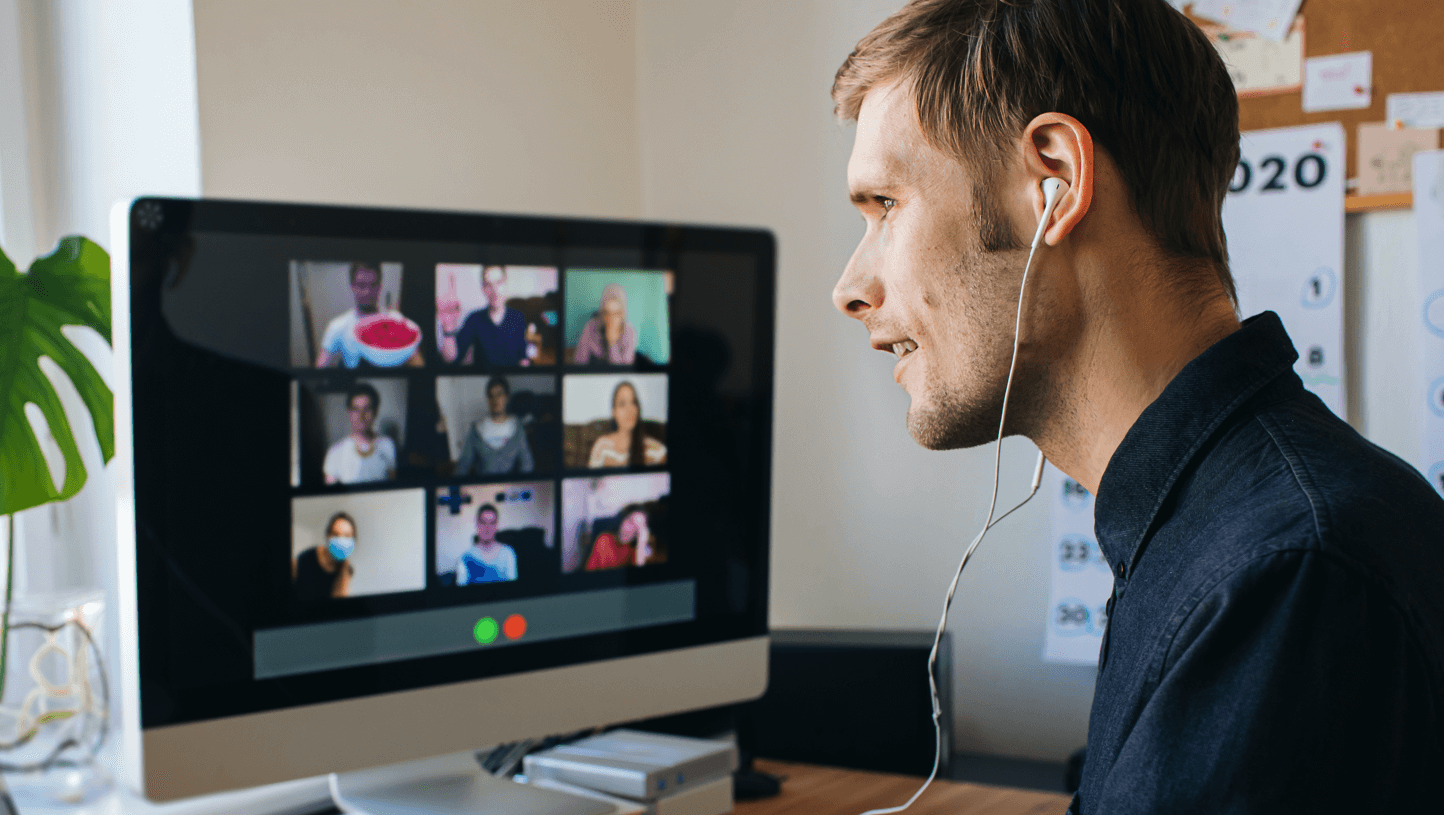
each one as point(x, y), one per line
point(399, 483)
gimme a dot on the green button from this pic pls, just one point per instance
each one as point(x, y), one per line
point(485, 631)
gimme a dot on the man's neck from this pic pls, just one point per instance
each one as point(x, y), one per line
point(1134, 338)
point(497, 313)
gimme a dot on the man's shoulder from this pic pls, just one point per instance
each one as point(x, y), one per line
point(340, 448)
point(1291, 484)
point(339, 325)
point(1291, 472)
point(1356, 492)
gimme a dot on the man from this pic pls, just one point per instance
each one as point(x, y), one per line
point(362, 455)
point(495, 335)
point(497, 443)
point(339, 342)
point(1276, 631)
point(487, 561)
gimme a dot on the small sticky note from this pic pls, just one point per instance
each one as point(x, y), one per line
point(1269, 19)
point(1339, 82)
point(1258, 66)
point(1386, 156)
point(1424, 110)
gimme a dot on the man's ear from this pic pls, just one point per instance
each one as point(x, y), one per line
point(1058, 146)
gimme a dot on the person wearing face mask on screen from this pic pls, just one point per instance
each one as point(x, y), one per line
point(1275, 637)
point(324, 571)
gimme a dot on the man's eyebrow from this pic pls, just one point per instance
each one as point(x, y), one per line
point(865, 191)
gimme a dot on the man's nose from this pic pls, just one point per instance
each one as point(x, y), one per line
point(859, 291)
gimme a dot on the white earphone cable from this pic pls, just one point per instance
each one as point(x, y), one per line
point(988, 524)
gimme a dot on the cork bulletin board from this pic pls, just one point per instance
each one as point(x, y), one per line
point(1407, 41)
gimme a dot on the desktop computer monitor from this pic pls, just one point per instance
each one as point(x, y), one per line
point(399, 483)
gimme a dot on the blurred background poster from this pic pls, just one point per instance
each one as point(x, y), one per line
point(1429, 222)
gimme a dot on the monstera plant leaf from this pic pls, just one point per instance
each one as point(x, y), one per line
point(71, 286)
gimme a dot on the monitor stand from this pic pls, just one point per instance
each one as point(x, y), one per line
point(450, 785)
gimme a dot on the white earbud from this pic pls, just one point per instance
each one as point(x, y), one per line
point(1051, 188)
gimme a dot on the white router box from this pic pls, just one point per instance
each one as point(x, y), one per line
point(706, 798)
point(633, 764)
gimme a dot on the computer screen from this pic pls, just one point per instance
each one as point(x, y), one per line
point(381, 452)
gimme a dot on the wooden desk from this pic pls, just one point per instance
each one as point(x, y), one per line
point(813, 790)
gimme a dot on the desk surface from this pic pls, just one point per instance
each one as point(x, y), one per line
point(814, 790)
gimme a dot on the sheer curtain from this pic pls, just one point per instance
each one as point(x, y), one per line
point(97, 105)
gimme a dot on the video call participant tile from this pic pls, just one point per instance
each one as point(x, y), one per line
point(357, 544)
point(349, 314)
point(494, 533)
point(352, 436)
point(496, 316)
point(500, 424)
point(614, 522)
point(614, 420)
point(617, 317)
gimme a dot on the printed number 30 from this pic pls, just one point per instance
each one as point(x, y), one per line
point(1310, 169)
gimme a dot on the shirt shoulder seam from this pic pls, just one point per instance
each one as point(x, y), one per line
point(1303, 479)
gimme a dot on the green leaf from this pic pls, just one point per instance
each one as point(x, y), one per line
point(71, 286)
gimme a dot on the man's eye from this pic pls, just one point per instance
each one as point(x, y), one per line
point(886, 203)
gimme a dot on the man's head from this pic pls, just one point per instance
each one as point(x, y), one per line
point(493, 279)
point(963, 107)
point(362, 402)
point(365, 285)
point(486, 522)
point(498, 390)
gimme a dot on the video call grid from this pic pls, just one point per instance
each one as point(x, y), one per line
point(429, 368)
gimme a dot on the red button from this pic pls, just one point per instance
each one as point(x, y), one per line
point(514, 627)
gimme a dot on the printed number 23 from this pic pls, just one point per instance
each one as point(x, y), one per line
point(1309, 171)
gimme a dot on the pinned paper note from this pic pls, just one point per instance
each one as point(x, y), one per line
point(1269, 19)
point(1339, 82)
point(1080, 582)
point(1419, 110)
point(1260, 66)
point(1284, 218)
point(1386, 156)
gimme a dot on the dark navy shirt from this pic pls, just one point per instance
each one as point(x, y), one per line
point(1276, 633)
point(497, 345)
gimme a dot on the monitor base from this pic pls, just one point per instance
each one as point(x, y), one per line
point(450, 785)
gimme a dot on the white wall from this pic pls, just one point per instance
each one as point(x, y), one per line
point(516, 107)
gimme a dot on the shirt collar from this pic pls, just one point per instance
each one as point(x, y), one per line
point(1170, 432)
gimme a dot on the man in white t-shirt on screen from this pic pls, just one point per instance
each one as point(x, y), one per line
point(339, 342)
point(363, 455)
point(488, 560)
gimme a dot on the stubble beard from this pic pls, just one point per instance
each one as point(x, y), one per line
point(950, 418)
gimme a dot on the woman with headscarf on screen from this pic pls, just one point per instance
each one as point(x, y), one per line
point(607, 338)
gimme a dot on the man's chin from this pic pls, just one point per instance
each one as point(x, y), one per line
point(942, 429)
